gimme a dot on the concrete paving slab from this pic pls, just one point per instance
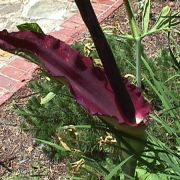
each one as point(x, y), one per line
point(49, 14)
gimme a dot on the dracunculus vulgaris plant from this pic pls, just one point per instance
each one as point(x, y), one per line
point(102, 92)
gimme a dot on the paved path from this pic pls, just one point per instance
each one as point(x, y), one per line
point(60, 19)
point(49, 14)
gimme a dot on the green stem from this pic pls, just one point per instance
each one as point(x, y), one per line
point(137, 38)
point(138, 62)
point(132, 21)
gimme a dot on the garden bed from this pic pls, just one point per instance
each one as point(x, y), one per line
point(19, 153)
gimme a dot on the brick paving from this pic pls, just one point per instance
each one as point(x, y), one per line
point(17, 72)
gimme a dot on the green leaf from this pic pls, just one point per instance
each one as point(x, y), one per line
point(47, 98)
point(28, 56)
point(173, 19)
point(116, 169)
point(34, 27)
point(91, 170)
point(162, 22)
point(146, 15)
point(75, 127)
point(93, 163)
point(74, 178)
point(158, 87)
point(51, 144)
point(143, 174)
point(126, 36)
point(132, 21)
point(163, 124)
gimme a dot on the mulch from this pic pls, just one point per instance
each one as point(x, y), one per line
point(19, 153)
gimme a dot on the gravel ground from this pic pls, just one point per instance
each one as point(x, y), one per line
point(19, 153)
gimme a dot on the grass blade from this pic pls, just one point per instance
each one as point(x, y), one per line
point(116, 169)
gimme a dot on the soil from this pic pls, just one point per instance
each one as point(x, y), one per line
point(19, 154)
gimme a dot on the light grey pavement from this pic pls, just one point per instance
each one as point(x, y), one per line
point(49, 14)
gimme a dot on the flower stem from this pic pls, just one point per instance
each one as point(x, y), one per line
point(138, 62)
point(113, 74)
point(137, 38)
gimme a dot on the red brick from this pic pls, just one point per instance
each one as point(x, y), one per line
point(2, 91)
point(118, 3)
point(12, 72)
point(32, 70)
point(107, 13)
point(76, 19)
point(5, 97)
point(67, 32)
point(106, 2)
point(6, 83)
point(60, 36)
point(77, 35)
point(100, 7)
point(70, 25)
point(21, 64)
point(98, 12)
point(19, 85)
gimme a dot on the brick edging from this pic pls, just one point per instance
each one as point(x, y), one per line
point(18, 72)
point(74, 27)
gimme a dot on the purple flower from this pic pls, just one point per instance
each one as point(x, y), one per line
point(87, 83)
